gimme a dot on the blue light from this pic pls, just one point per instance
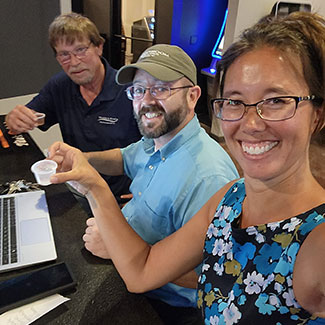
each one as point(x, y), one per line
point(196, 24)
point(219, 37)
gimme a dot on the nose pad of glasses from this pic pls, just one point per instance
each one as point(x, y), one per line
point(259, 111)
point(254, 110)
point(74, 58)
point(147, 95)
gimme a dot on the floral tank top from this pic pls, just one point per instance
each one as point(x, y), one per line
point(246, 275)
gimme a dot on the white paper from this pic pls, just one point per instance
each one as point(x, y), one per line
point(29, 313)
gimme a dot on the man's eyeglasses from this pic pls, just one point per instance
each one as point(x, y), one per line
point(158, 92)
point(80, 52)
point(270, 109)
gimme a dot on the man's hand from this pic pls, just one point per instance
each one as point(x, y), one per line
point(93, 240)
point(21, 119)
point(126, 198)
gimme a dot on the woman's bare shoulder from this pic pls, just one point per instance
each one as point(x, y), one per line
point(214, 201)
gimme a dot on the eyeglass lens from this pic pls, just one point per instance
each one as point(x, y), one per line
point(65, 56)
point(274, 109)
point(158, 92)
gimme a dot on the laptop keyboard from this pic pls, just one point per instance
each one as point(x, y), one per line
point(8, 231)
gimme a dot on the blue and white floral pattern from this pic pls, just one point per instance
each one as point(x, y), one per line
point(246, 275)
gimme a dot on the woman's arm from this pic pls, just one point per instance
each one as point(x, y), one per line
point(187, 280)
point(308, 273)
point(141, 266)
point(144, 267)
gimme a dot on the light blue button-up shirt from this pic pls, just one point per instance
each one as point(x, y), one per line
point(170, 185)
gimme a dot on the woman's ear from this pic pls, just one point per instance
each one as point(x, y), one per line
point(317, 118)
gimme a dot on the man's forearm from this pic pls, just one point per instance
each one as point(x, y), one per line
point(108, 162)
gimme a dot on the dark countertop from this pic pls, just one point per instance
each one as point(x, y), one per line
point(100, 296)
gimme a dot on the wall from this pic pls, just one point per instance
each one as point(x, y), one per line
point(244, 13)
point(132, 11)
point(99, 12)
point(24, 46)
point(65, 6)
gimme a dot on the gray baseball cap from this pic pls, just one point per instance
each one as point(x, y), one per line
point(162, 61)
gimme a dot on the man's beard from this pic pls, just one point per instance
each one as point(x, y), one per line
point(169, 122)
point(81, 81)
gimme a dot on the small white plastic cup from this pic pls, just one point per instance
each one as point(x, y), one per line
point(43, 170)
point(40, 118)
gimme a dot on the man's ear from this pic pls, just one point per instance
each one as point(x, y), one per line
point(193, 95)
point(99, 50)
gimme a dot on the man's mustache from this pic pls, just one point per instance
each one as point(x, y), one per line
point(152, 109)
point(77, 69)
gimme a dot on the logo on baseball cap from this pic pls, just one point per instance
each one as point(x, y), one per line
point(162, 61)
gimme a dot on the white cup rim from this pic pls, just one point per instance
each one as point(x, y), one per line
point(39, 115)
point(48, 161)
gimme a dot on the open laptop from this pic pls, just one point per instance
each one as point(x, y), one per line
point(26, 235)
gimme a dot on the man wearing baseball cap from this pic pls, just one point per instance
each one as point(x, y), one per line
point(175, 168)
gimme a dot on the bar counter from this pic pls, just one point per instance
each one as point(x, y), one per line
point(100, 296)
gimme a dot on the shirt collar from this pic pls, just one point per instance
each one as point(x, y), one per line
point(191, 129)
point(110, 88)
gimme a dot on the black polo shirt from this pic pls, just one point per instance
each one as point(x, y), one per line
point(107, 123)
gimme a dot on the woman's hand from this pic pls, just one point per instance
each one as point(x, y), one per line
point(72, 167)
point(93, 240)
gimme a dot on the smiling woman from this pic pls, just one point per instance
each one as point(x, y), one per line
point(271, 105)
point(269, 143)
point(316, 157)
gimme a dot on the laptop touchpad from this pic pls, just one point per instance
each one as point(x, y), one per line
point(34, 231)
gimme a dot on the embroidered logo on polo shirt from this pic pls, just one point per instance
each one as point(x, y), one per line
point(107, 120)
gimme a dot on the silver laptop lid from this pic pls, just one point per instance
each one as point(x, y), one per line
point(34, 242)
